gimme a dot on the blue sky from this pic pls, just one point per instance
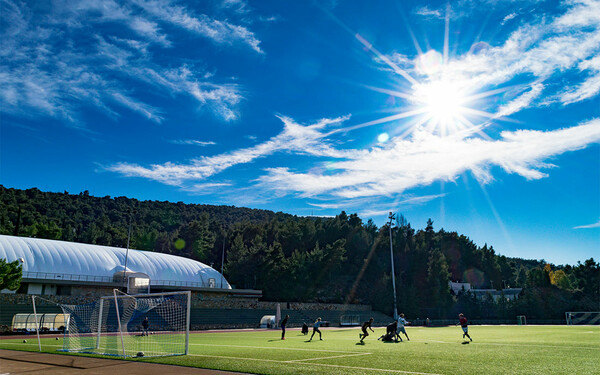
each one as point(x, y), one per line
point(481, 115)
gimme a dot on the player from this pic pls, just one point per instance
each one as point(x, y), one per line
point(401, 323)
point(304, 328)
point(463, 323)
point(283, 323)
point(364, 330)
point(316, 329)
point(391, 333)
point(145, 325)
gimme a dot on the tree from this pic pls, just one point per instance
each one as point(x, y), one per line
point(11, 274)
point(198, 239)
point(560, 279)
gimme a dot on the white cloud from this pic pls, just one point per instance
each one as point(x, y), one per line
point(216, 30)
point(589, 88)
point(589, 226)
point(522, 101)
point(59, 60)
point(543, 53)
point(294, 138)
point(427, 12)
point(426, 158)
point(192, 142)
point(508, 17)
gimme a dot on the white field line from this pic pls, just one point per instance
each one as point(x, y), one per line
point(507, 344)
point(33, 343)
point(274, 347)
point(316, 364)
point(335, 356)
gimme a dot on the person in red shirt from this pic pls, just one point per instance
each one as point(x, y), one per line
point(465, 327)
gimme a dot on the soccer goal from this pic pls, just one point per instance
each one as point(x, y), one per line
point(583, 318)
point(521, 320)
point(142, 325)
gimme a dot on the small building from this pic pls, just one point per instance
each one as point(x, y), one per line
point(509, 293)
point(457, 287)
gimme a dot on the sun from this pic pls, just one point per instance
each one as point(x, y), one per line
point(442, 102)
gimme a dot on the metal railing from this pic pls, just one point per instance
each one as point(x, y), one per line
point(66, 277)
point(107, 279)
point(192, 284)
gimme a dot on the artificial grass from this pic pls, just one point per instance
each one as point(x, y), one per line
point(495, 350)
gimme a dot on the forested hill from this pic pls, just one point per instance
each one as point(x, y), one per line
point(291, 258)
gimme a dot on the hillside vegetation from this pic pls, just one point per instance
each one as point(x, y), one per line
point(340, 259)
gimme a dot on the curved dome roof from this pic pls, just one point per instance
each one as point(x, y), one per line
point(60, 257)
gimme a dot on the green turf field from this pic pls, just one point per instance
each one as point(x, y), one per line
point(495, 350)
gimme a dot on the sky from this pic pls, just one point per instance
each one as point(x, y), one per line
point(483, 115)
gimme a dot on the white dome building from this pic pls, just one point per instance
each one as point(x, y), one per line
point(69, 268)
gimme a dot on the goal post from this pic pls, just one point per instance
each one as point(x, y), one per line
point(521, 320)
point(141, 325)
point(582, 317)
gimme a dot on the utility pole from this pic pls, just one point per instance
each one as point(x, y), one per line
point(391, 217)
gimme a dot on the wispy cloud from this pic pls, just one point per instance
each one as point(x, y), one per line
point(589, 226)
point(427, 12)
point(508, 17)
point(217, 30)
point(61, 59)
point(540, 54)
point(294, 138)
point(543, 51)
point(192, 142)
point(427, 158)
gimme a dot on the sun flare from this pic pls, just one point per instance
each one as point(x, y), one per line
point(442, 102)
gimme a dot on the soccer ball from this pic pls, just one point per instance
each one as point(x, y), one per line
point(24, 341)
point(57, 338)
point(140, 354)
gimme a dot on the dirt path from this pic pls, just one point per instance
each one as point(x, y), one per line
point(16, 362)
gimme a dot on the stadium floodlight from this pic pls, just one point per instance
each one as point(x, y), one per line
point(113, 325)
point(391, 217)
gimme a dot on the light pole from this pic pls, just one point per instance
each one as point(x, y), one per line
point(125, 286)
point(391, 217)
point(223, 254)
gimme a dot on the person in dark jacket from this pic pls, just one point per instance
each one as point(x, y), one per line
point(304, 329)
point(145, 325)
point(364, 330)
point(283, 323)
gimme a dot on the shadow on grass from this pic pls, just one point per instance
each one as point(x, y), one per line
point(466, 342)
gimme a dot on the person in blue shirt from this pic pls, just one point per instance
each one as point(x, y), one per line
point(316, 329)
point(401, 323)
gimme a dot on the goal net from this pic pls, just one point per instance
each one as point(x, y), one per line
point(521, 320)
point(142, 325)
point(583, 318)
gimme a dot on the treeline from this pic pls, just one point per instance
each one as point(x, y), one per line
point(337, 260)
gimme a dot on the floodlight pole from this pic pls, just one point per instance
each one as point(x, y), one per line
point(391, 217)
point(223, 253)
point(125, 286)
